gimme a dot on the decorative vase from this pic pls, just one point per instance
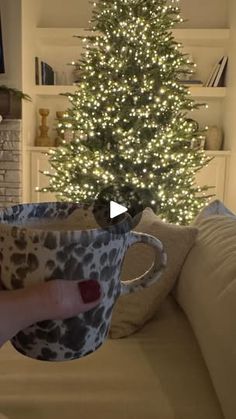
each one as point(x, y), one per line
point(43, 140)
point(214, 138)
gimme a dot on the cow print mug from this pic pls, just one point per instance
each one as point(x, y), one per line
point(55, 240)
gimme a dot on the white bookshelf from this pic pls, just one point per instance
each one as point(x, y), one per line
point(53, 90)
point(208, 92)
point(212, 174)
point(212, 153)
point(58, 46)
point(55, 40)
point(201, 92)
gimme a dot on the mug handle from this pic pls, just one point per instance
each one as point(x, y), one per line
point(156, 270)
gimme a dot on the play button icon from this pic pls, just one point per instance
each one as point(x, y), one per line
point(116, 209)
point(117, 202)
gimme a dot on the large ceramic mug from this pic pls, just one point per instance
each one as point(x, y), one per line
point(43, 242)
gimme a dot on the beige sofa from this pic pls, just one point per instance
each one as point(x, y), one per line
point(156, 373)
point(161, 372)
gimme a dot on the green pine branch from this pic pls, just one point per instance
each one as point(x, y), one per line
point(15, 92)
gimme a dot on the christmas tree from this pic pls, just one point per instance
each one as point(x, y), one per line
point(129, 115)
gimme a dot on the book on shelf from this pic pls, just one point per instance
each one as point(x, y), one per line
point(219, 80)
point(217, 75)
point(212, 75)
point(47, 74)
point(38, 73)
point(44, 73)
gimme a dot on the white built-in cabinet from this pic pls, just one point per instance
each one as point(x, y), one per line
point(214, 174)
point(57, 46)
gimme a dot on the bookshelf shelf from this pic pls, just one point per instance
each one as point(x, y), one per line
point(208, 92)
point(216, 153)
point(202, 92)
point(53, 90)
point(208, 152)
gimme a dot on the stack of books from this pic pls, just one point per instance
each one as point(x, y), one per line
point(44, 73)
point(217, 76)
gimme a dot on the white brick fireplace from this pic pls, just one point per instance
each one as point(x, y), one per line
point(10, 162)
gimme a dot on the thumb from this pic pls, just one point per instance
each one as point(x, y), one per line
point(57, 299)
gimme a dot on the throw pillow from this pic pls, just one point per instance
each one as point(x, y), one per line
point(132, 311)
point(214, 208)
point(206, 291)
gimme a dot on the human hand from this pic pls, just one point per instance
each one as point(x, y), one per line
point(52, 300)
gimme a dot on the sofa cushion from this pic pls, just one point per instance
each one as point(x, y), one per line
point(206, 290)
point(132, 311)
point(214, 208)
point(157, 373)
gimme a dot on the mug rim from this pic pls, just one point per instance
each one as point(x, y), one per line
point(110, 229)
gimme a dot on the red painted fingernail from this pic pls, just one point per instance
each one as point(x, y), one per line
point(89, 290)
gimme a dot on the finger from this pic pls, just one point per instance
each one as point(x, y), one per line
point(51, 300)
point(64, 299)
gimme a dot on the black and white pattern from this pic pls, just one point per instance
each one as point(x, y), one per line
point(29, 254)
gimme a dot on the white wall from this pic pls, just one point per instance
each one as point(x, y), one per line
point(205, 13)
point(230, 110)
point(54, 13)
point(201, 13)
point(11, 27)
